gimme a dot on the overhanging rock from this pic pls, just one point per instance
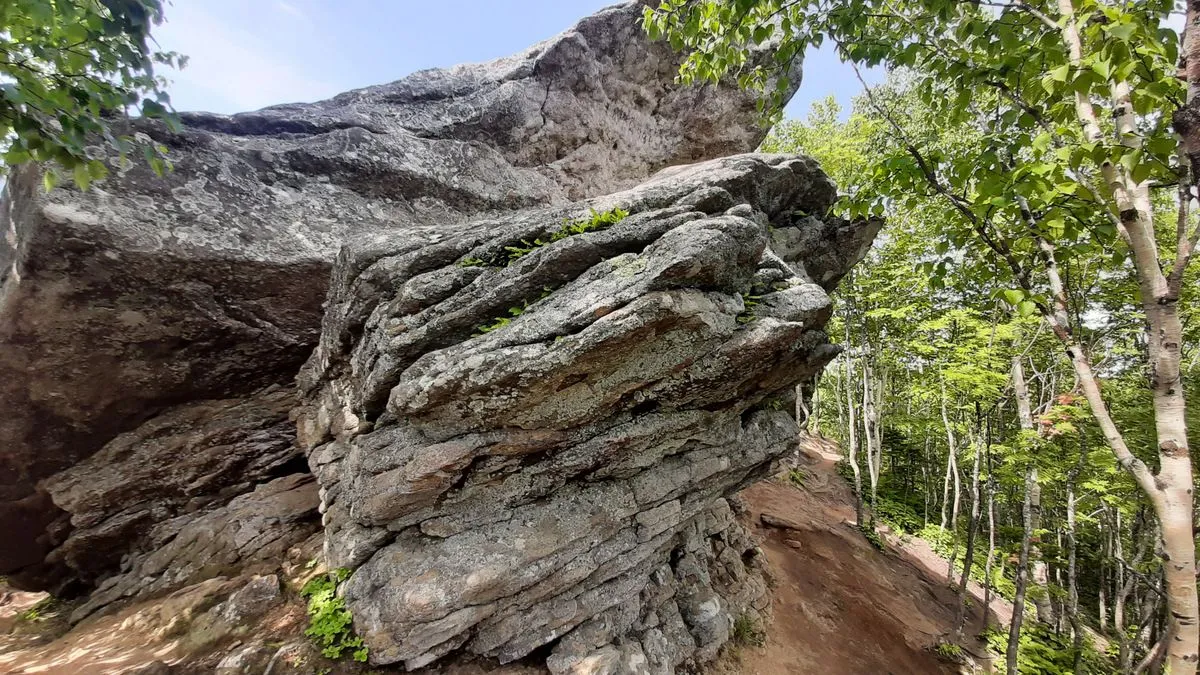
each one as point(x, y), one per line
point(150, 300)
point(525, 432)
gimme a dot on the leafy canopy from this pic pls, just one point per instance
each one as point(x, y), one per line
point(1021, 169)
point(68, 69)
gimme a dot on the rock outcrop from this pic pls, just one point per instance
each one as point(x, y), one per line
point(144, 322)
point(546, 343)
point(525, 428)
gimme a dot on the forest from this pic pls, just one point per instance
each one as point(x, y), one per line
point(1019, 346)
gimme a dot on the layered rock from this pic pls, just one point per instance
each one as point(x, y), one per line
point(525, 427)
point(143, 319)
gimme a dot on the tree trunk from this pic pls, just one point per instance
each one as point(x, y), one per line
point(870, 437)
point(852, 437)
point(951, 464)
point(1018, 616)
point(972, 524)
point(1160, 286)
point(1072, 576)
point(1121, 601)
point(991, 553)
point(1106, 553)
point(1041, 595)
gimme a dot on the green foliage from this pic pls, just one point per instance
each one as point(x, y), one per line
point(1015, 165)
point(749, 302)
point(943, 542)
point(66, 70)
point(940, 539)
point(513, 312)
point(598, 220)
point(330, 625)
point(471, 262)
point(949, 651)
point(499, 322)
point(873, 537)
point(797, 477)
point(1041, 652)
point(901, 517)
point(844, 470)
point(747, 632)
point(39, 611)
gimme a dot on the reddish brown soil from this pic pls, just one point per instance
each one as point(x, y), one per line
point(842, 607)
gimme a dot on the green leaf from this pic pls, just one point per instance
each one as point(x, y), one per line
point(1122, 31)
point(83, 177)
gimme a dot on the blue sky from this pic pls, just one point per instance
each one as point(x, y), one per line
point(246, 54)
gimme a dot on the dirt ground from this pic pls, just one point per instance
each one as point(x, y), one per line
point(842, 607)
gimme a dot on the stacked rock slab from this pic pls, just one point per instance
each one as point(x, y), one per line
point(525, 435)
point(149, 322)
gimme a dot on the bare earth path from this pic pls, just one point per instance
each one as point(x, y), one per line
point(841, 607)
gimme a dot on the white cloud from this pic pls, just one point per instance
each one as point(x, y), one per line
point(229, 69)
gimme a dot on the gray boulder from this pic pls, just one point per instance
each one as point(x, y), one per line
point(520, 428)
point(126, 309)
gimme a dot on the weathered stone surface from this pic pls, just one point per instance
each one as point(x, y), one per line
point(253, 530)
point(182, 462)
point(250, 601)
point(562, 476)
point(207, 284)
point(250, 659)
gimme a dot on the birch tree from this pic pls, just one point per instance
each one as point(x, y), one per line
point(1077, 122)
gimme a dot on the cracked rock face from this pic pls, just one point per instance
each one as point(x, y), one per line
point(124, 308)
point(526, 437)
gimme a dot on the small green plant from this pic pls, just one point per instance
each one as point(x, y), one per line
point(797, 477)
point(949, 651)
point(499, 322)
point(873, 537)
point(39, 611)
point(749, 302)
point(329, 622)
point(747, 633)
point(1042, 652)
point(900, 517)
point(598, 220)
point(513, 312)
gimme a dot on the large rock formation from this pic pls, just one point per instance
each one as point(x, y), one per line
point(144, 324)
point(525, 432)
point(538, 369)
